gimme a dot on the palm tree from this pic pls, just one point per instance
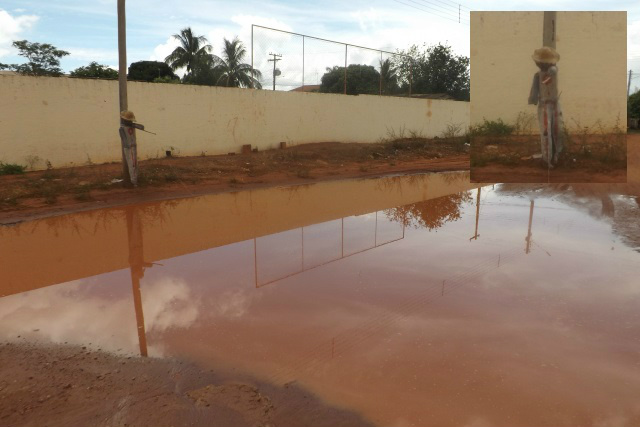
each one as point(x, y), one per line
point(388, 77)
point(192, 50)
point(234, 73)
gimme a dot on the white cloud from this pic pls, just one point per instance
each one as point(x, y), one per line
point(163, 50)
point(633, 39)
point(90, 54)
point(11, 27)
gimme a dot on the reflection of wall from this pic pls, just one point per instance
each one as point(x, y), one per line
point(60, 249)
point(69, 121)
point(592, 66)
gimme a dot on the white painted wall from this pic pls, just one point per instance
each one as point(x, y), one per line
point(70, 121)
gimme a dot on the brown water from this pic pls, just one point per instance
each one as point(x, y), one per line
point(415, 301)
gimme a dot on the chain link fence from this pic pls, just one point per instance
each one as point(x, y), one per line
point(296, 62)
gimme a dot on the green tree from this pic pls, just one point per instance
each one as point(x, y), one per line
point(43, 59)
point(633, 105)
point(388, 77)
point(192, 49)
point(233, 72)
point(434, 69)
point(148, 71)
point(205, 72)
point(361, 79)
point(95, 70)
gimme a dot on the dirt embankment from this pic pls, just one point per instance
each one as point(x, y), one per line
point(516, 159)
point(56, 191)
point(61, 385)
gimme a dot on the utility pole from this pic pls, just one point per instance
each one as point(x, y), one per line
point(549, 29)
point(629, 84)
point(275, 59)
point(122, 82)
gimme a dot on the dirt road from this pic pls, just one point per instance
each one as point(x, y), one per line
point(57, 191)
point(58, 385)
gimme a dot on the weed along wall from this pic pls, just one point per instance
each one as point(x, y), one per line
point(70, 122)
point(592, 68)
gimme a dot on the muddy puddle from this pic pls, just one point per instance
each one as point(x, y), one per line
point(409, 301)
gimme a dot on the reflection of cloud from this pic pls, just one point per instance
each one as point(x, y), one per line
point(67, 313)
point(81, 312)
point(233, 303)
point(168, 303)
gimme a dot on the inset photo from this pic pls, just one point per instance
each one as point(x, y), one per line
point(548, 97)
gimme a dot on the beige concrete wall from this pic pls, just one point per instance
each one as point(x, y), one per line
point(71, 121)
point(592, 66)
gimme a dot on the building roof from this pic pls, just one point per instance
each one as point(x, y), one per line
point(306, 88)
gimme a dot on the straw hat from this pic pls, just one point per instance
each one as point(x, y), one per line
point(128, 115)
point(546, 55)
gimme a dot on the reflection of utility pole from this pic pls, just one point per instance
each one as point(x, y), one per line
point(275, 59)
point(475, 237)
point(136, 266)
point(527, 248)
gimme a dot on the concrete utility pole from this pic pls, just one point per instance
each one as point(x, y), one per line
point(629, 84)
point(122, 80)
point(549, 29)
point(275, 59)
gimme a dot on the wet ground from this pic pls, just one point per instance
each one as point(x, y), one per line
point(403, 301)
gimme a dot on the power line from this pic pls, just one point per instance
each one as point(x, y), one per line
point(428, 11)
point(449, 10)
point(454, 4)
point(451, 14)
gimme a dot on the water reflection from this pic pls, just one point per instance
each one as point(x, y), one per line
point(364, 303)
point(75, 249)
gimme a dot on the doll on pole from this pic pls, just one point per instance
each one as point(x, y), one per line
point(544, 94)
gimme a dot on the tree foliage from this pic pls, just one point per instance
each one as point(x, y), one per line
point(430, 214)
point(434, 69)
point(633, 105)
point(95, 70)
point(43, 59)
point(204, 71)
point(148, 71)
point(361, 79)
point(192, 49)
point(388, 77)
point(232, 71)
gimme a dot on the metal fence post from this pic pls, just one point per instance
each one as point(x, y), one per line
point(410, 75)
point(380, 73)
point(345, 68)
point(252, 72)
point(302, 62)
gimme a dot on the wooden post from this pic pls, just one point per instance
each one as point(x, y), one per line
point(122, 80)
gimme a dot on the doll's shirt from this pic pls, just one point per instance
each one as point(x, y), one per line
point(544, 86)
point(548, 84)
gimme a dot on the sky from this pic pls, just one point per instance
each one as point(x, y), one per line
point(88, 29)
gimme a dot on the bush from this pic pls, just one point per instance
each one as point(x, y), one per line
point(11, 169)
point(492, 128)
